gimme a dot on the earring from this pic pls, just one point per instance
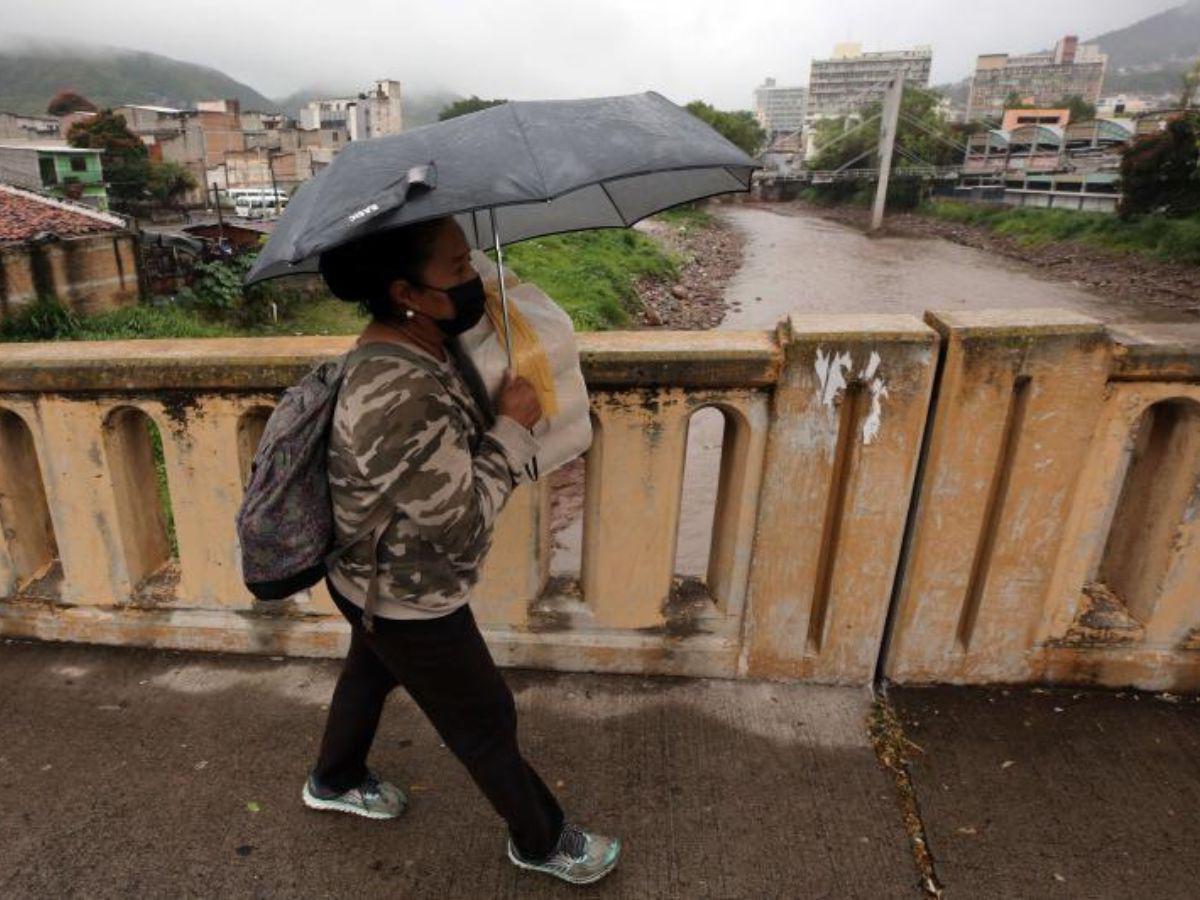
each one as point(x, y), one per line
point(408, 313)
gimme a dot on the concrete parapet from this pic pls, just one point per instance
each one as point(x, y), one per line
point(984, 496)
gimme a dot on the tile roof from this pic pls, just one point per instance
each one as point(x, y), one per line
point(23, 214)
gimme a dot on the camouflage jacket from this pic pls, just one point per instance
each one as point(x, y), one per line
point(400, 432)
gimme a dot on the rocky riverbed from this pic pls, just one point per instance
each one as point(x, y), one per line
point(712, 253)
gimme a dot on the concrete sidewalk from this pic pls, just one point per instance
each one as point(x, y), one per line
point(142, 773)
point(132, 773)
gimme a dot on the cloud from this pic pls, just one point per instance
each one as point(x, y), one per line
point(686, 49)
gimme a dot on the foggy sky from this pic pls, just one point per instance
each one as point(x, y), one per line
point(535, 49)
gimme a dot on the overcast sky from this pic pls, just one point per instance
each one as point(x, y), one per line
point(530, 49)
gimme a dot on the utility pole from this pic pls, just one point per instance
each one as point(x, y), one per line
point(274, 189)
point(220, 218)
point(888, 123)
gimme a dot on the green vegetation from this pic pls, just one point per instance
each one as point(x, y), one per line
point(160, 480)
point(738, 126)
point(921, 135)
point(904, 192)
point(591, 274)
point(687, 215)
point(1172, 240)
point(1160, 173)
point(132, 177)
point(468, 105)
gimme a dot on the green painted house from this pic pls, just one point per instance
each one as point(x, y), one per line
point(73, 173)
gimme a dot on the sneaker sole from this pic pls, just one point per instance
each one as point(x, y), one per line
point(567, 878)
point(314, 802)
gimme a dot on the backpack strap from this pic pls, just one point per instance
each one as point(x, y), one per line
point(380, 517)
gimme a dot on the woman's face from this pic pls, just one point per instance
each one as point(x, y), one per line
point(449, 264)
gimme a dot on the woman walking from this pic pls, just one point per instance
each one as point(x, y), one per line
point(408, 431)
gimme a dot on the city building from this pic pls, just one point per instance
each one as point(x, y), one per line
point(850, 79)
point(371, 114)
point(1117, 105)
point(1036, 79)
point(72, 173)
point(1048, 161)
point(1014, 118)
point(18, 127)
point(779, 110)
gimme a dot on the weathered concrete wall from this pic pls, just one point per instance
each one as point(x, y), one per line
point(1055, 467)
point(1054, 536)
point(87, 274)
point(845, 433)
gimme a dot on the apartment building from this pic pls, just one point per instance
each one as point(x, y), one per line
point(779, 110)
point(850, 79)
point(372, 113)
point(1036, 79)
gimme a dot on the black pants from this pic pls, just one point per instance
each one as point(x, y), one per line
point(446, 668)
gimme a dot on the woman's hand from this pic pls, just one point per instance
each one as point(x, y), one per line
point(518, 400)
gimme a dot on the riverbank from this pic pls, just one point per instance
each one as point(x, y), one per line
point(710, 251)
point(1127, 275)
point(668, 271)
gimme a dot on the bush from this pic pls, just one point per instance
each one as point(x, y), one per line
point(1160, 173)
point(217, 292)
point(46, 319)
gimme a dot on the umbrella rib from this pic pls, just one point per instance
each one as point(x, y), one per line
point(620, 215)
point(529, 147)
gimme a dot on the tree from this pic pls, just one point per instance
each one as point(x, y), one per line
point(469, 105)
point(1191, 81)
point(67, 101)
point(737, 126)
point(1160, 173)
point(124, 157)
point(1081, 110)
point(168, 182)
point(922, 136)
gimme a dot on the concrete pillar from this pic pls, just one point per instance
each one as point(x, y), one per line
point(200, 448)
point(631, 510)
point(80, 492)
point(846, 425)
point(518, 564)
point(1019, 395)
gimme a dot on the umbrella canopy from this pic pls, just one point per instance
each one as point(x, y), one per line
point(511, 172)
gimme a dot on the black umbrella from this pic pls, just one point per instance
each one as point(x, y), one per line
point(519, 170)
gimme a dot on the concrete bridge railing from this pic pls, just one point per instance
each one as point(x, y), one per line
point(992, 496)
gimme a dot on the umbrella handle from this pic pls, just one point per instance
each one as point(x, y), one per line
point(503, 292)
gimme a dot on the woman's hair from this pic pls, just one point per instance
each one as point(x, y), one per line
point(363, 270)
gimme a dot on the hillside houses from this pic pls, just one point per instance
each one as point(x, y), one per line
point(219, 142)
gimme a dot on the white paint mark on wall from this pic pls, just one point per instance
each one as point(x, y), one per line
point(832, 369)
point(831, 375)
point(878, 390)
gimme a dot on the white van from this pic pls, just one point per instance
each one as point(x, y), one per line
point(258, 204)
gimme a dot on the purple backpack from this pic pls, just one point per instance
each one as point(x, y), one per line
point(285, 523)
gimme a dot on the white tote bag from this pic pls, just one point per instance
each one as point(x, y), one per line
point(567, 434)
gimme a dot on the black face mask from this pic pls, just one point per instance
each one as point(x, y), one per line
point(468, 301)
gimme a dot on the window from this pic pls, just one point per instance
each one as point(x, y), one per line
point(78, 163)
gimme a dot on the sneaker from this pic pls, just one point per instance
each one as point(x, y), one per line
point(373, 798)
point(579, 857)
